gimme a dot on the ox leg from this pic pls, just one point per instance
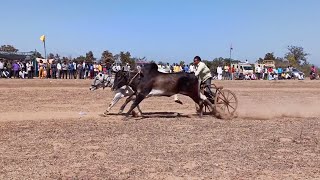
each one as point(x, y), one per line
point(116, 99)
point(130, 98)
point(137, 101)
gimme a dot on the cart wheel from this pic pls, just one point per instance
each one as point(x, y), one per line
point(226, 102)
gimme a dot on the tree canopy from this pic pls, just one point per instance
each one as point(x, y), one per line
point(8, 48)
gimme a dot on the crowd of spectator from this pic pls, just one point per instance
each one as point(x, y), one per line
point(83, 70)
point(54, 70)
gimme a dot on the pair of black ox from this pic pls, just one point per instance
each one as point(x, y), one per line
point(150, 82)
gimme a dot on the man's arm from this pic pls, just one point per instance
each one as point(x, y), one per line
point(199, 69)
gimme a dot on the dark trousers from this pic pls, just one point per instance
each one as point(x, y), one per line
point(30, 74)
point(54, 74)
point(208, 85)
point(16, 74)
point(64, 74)
point(258, 75)
point(71, 74)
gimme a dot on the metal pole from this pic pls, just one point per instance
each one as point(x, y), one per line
point(45, 51)
point(230, 55)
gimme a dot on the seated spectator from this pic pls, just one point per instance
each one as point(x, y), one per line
point(253, 77)
point(247, 77)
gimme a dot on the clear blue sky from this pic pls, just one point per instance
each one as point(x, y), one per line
point(167, 30)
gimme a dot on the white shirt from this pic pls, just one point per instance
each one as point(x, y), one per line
point(59, 66)
point(1, 65)
point(191, 68)
point(259, 69)
point(74, 65)
point(219, 70)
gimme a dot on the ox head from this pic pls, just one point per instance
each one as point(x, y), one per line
point(121, 78)
point(101, 80)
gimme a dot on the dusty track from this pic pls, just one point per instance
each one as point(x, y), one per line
point(43, 136)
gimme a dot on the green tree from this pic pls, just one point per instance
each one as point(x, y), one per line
point(107, 57)
point(269, 56)
point(8, 48)
point(36, 54)
point(125, 57)
point(57, 57)
point(182, 63)
point(51, 56)
point(89, 57)
point(80, 59)
point(66, 59)
point(296, 55)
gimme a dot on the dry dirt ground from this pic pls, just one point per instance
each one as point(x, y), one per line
point(51, 129)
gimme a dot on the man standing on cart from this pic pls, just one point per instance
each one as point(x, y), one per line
point(203, 73)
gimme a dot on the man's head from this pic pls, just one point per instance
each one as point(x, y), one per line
point(196, 60)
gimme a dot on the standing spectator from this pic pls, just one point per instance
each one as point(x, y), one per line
point(226, 72)
point(219, 71)
point(41, 69)
point(48, 69)
point(64, 70)
point(59, 70)
point(186, 68)
point(258, 70)
point(9, 69)
point(100, 67)
point(232, 72)
point(83, 72)
point(54, 70)
point(270, 71)
point(74, 70)
point(280, 71)
point(104, 68)
point(96, 69)
point(70, 70)
point(15, 68)
point(79, 70)
point(91, 71)
point(191, 68)
point(1, 67)
point(29, 69)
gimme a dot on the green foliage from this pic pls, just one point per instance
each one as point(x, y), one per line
point(80, 59)
point(296, 55)
point(107, 57)
point(125, 57)
point(51, 56)
point(57, 57)
point(269, 56)
point(37, 54)
point(8, 48)
point(89, 57)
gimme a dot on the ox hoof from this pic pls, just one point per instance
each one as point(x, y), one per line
point(120, 112)
point(134, 114)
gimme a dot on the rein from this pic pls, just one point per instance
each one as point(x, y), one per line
point(138, 73)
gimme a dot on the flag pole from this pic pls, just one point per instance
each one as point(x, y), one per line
point(45, 50)
point(230, 53)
